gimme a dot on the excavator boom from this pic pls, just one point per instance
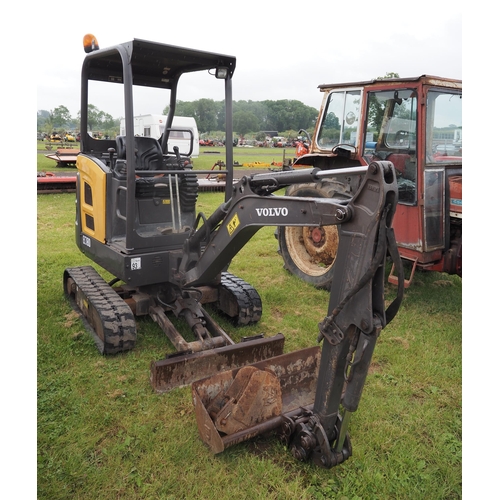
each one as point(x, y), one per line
point(207, 252)
point(307, 396)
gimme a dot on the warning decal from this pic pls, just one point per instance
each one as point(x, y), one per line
point(233, 224)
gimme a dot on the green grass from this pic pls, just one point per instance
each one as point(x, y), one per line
point(103, 433)
point(205, 161)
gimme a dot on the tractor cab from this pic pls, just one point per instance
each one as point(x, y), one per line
point(415, 123)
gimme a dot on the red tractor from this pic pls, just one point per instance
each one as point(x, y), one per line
point(415, 123)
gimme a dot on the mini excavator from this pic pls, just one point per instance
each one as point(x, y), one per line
point(136, 218)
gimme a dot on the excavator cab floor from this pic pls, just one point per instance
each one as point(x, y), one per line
point(297, 374)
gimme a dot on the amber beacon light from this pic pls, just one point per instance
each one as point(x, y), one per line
point(90, 43)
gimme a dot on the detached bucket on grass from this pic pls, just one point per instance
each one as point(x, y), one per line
point(250, 401)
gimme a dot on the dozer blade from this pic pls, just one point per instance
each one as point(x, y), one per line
point(180, 370)
point(297, 374)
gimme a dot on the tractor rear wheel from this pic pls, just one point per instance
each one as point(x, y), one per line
point(309, 252)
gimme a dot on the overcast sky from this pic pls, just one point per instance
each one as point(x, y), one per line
point(283, 50)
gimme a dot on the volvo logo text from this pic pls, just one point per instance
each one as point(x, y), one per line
point(272, 212)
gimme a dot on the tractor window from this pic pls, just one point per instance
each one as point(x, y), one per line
point(340, 119)
point(391, 135)
point(434, 212)
point(444, 128)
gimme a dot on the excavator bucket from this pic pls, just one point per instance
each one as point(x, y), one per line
point(236, 405)
point(182, 369)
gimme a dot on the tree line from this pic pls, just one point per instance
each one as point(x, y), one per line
point(248, 117)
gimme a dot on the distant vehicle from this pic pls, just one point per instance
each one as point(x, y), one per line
point(279, 142)
point(183, 127)
point(447, 149)
point(69, 138)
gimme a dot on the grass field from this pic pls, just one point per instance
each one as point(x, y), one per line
point(207, 159)
point(103, 433)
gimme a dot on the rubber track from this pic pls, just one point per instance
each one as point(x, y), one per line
point(115, 317)
point(248, 299)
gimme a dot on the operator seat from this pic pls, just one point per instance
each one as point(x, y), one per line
point(148, 156)
point(148, 153)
